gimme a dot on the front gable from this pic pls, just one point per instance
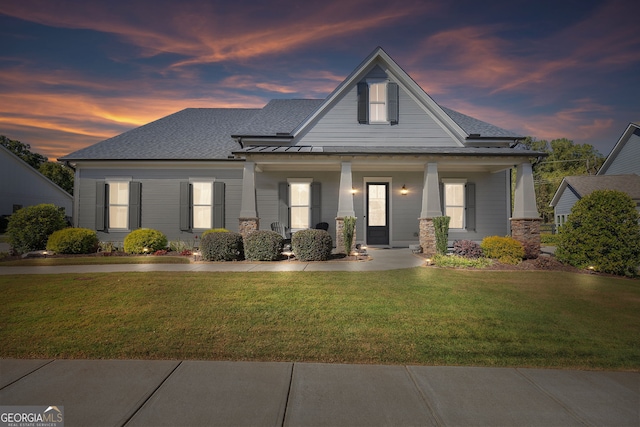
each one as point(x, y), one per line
point(625, 155)
point(414, 119)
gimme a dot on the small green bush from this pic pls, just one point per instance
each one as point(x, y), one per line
point(441, 225)
point(214, 230)
point(457, 261)
point(548, 239)
point(507, 250)
point(263, 245)
point(348, 233)
point(222, 247)
point(144, 240)
point(602, 231)
point(312, 245)
point(73, 241)
point(29, 228)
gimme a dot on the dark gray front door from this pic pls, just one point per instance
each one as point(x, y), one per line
point(377, 213)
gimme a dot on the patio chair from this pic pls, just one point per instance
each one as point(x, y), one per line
point(322, 226)
point(282, 230)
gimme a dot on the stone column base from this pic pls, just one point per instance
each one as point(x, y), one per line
point(248, 225)
point(527, 232)
point(427, 236)
point(340, 237)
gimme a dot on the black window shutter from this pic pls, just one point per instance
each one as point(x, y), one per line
point(283, 203)
point(101, 205)
point(185, 206)
point(316, 198)
point(363, 102)
point(135, 194)
point(393, 94)
point(218, 204)
point(470, 205)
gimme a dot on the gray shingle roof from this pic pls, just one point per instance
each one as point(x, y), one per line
point(190, 134)
point(279, 116)
point(478, 127)
point(585, 185)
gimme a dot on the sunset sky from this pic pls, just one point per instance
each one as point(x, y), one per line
point(73, 73)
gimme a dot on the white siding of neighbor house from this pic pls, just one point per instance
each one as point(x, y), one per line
point(628, 159)
point(160, 205)
point(340, 127)
point(22, 185)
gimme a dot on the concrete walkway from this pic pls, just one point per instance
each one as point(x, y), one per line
point(199, 393)
point(378, 259)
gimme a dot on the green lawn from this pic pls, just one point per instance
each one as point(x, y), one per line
point(424, 316)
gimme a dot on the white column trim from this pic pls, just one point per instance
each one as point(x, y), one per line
point(431, 207)
point(248, 206)
point(524, 203)
point(345, 197)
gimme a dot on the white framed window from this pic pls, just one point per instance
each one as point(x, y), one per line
point(118, 205)
point(300, 203)
point(202, 204)
point(378, 102)
point(454, 202)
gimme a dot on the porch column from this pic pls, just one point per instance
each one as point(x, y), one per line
point(525, 221)
point(248, 220)
point(345, 205)
point(430, 209)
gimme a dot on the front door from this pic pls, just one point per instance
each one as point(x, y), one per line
point(377, 213)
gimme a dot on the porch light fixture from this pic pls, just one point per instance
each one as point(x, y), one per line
point(353, 190)
point(404, 190)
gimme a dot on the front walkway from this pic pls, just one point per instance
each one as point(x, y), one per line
point(378, 259)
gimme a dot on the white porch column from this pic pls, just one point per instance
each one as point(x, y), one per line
point(524, 203)
point(248, 220)
point(430, 209)
point(525, 221)
point(345, 198)
point(431, 192)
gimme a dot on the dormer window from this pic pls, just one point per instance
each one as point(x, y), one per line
point(377, 102)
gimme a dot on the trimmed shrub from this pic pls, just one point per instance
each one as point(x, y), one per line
point(602, 231)
point(214, 230)
point(441, 225)
point(263, 245)
point(348, 233)
point(73, 241)
point(222, 246)
point(29, 228)
point(467, 249)
point(144, 240)
point(507, 250)
point(312, 245)
point(457, 261)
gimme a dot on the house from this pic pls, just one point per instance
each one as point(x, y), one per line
point(378, 148)
point(620, 171)
point(21, 185)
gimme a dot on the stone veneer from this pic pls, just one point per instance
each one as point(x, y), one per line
point(248, 225)
point(427, 236)
point(527, 232)
point(340, 237)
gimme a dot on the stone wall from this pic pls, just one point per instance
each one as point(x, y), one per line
point(427, 236)
point(340, 237)
point(527, 232)
point(248, 225)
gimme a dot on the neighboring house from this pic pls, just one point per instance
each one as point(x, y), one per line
point(21, 186)
point(378, 148)
point(620, 171)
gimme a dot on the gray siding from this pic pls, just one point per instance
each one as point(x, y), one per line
point(340, 127)
point(160, 198)
point(628, 159)
point(566, 202)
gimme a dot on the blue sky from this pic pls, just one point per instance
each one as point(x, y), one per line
point(73, 73)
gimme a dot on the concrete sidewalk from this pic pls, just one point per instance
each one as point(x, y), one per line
point(200, 393)
point(378, 259)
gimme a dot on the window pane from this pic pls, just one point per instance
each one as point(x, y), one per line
point(118, 193)
point(118, 217)
point(457, 216)
point(378, 112)
point(378, 92)
point(202, 193)
point(300, 194)
point(454, 194)
point(300, 217)
point(202, 217)
point(377, 205)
